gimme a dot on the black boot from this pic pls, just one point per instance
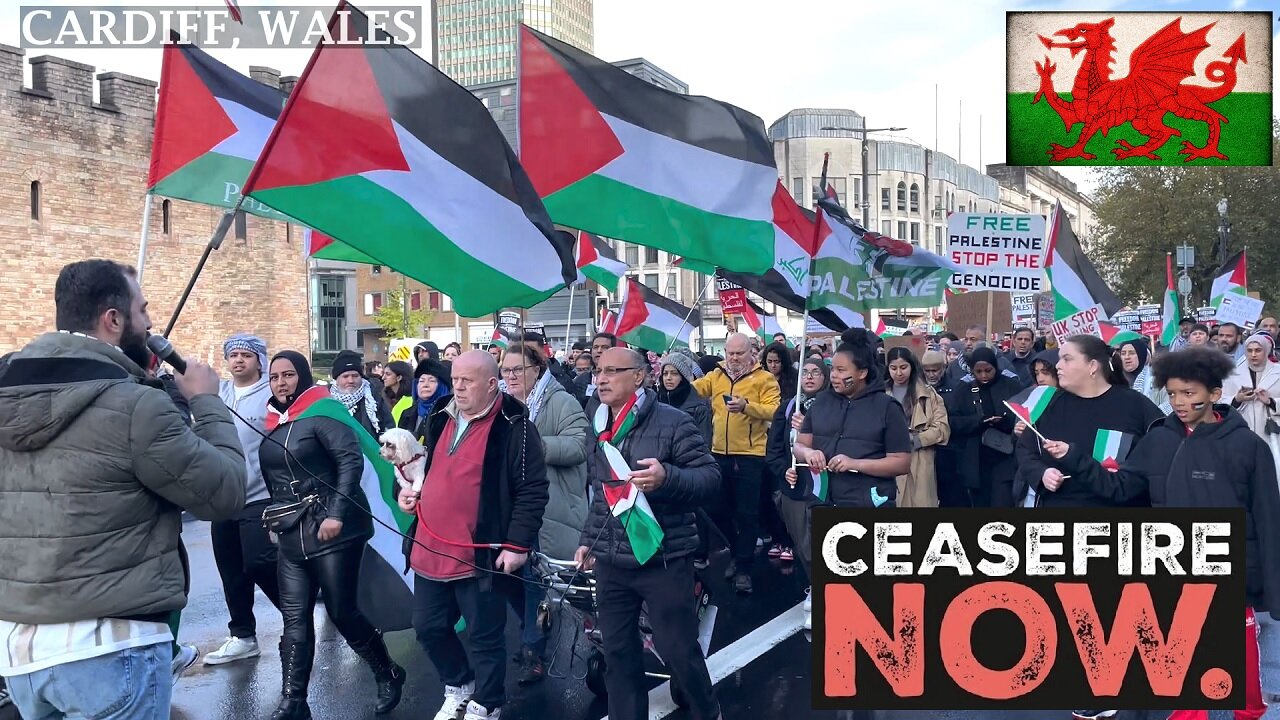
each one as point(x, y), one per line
point(295, 666)
point(389, 675)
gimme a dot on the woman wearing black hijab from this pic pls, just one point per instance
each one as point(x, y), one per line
point(982, 431)
point(318, 456)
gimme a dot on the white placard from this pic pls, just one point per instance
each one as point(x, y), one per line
point(1239, 309)
point(1084, 322)
point(1023, 309)
point(997, 252)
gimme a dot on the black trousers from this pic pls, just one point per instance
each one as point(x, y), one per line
point(337, 575)
point(738, 512)
point(245, 556)
point(667, 592)
point(436, 608)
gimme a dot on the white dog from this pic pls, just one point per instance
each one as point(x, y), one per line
point(402, 449)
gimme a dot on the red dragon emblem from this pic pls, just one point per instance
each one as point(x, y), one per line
point(1154, 86)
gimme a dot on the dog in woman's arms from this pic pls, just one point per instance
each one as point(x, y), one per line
point(406, 454)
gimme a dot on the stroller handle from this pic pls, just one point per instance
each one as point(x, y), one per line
point(559, 563)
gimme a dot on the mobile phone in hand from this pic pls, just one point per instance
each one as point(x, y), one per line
point(728, 399)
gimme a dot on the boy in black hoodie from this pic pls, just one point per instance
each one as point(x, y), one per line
point(1204, 455)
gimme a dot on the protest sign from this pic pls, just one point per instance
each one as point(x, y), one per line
point(1023, 310)
point(1084, 322)
point(999, 252)
point(1150, 318)
point(1127, 320)
point(733, 297)
point(1242, 310)
point(1207, 315)
point(1000, 609)
point(509, 321)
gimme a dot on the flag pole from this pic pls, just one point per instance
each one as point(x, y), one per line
point(804, 331)
point(568, 324)
point(692, 310)
point(146, 227)
point(215, 242)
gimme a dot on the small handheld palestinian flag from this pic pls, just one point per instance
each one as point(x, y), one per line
point(1030, 408)
point(1110, 447)
point(625, 501)
point(499, 339)
point(821, 484)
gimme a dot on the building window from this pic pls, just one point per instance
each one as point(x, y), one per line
point(242, 225)
point(165, 227)
point(915, 233)
point(937, 239)
point(433, 300)
point(797, 190)
point(332, 314)
point(886, 227)
point(35, 199)
point(960, 209)
point(375, 269)
point(372, 303)
point(651, 281)
point(915, 198)
point(884, 199)
point(840, 185)
point(633, 254)
point(902, 230)
point(651, 256)
point(415, 300)
point(902, 196)
point(857, 192)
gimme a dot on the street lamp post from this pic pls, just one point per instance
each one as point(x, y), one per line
point(866, 202)
point(1224, 232)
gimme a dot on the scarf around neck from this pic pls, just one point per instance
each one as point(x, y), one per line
point(539, 393)
point(626, 502)
point(352, 399)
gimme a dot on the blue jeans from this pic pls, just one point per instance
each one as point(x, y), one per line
point(134, 684)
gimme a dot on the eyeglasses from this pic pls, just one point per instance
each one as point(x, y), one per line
point(612, 371)
point(513, 372)
point(811, 374)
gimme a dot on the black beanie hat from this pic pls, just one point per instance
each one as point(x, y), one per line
point(436, 368)
point(346, 361)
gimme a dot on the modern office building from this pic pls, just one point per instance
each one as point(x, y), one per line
point(476, 40)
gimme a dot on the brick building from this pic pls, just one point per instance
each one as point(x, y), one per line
point(72, 186)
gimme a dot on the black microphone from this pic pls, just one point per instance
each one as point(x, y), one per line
point(160, 346)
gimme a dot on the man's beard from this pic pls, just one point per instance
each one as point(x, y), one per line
point(133, 343)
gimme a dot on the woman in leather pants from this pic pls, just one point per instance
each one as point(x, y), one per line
point(322, 552)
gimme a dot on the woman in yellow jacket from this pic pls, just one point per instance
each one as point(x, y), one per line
point(927, 420)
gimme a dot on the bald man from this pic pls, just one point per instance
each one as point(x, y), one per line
point(486, 485)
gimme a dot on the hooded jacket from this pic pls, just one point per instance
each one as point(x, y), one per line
point(95, 471)
point(744, 433)
point(1222, 464)
point(251, 406)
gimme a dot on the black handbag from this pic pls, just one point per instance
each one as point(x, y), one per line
point(999, 441)
point(280, 517)
point(1272, 428)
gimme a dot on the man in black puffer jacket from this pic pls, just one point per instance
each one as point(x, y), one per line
point(651, 458)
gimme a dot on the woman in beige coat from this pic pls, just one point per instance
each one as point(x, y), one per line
point(927, 420)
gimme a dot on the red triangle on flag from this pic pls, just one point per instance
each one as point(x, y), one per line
point(189, 120)
point(586, 249)
point(1240, 273)
point(333, 127)
point(563, 138)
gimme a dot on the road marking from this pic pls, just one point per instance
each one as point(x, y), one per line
point(733, 657)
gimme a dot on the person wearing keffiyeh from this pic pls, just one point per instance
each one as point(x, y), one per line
point(351, 388)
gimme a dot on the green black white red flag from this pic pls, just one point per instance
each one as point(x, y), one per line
point(1232, 278)
point(381, 151)
point(1076, 284)
point(598, 262)
point(648, 320)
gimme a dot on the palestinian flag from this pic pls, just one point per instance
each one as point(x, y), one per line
point(386, 595)
point(612, 154)
point(598, 261)
point(1031, 404)
point(211, 124)
point(383, 152)
point(1111, 447)
point(322, 247)
point(499, 339)
point(1172, 313)
point(820, 485)
point(608, 322)
point(626, 502)
point(1114, 335)
point(1218, 62)
point(647, 319)
point(763, 325)
point(860, 270)
point(1232, 279)
point(787, 282)
point(1075, 283)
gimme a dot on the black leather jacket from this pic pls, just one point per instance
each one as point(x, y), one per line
point(327, 449)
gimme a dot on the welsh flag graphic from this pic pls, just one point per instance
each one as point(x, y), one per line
point(1031, 404)
point(627, 503)
point(1172, 313)
point(598, 262)
point(211, 124)
point(1232, 279)
point(1076, 284)
point(612, 154)
point(648, 320)
point(381, 151)
point(386, 595)
point(1111, 447)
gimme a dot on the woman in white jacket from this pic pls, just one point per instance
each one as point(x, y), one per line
point(1254, 387)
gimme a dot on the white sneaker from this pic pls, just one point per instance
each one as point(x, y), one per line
point(234, 649)
point(186, 657)
point(808, 609)
point(476, 711)
point(455, 701)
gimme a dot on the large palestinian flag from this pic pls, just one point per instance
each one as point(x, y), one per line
point(383, 152)
point(597, 261)
point(647, 319)
point(614, 155)
point(1232, 279)
point(211, 124)
point(386, 594)
point(1171, 316)
point(1075, 283)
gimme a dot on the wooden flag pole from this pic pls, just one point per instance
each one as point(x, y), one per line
point(804, 332)
point(991, 299)
point(692, 310)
